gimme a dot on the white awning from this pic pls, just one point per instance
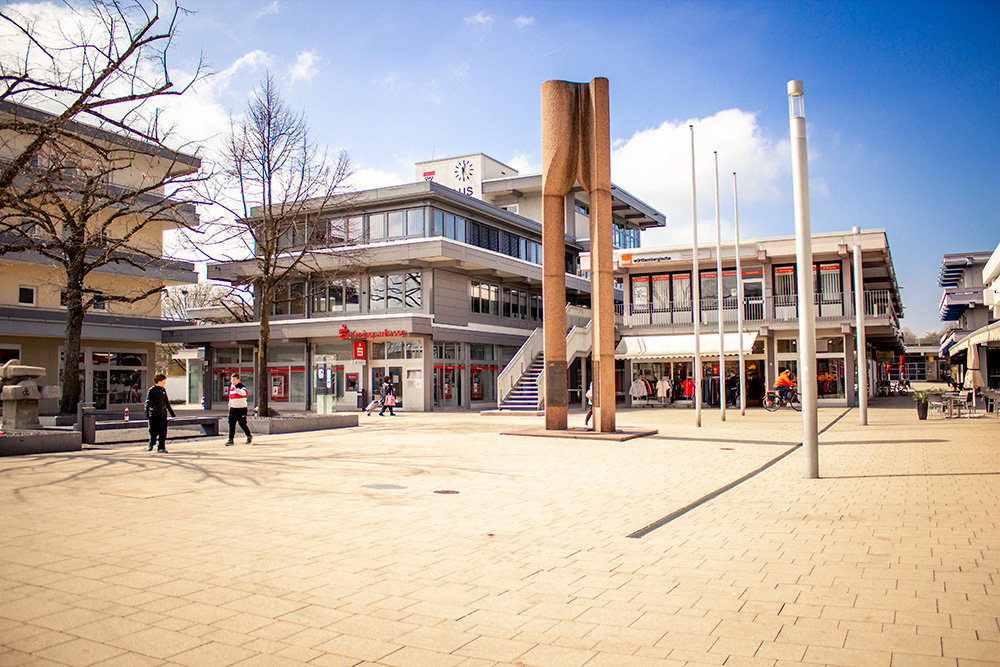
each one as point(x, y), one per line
point(983, 336)
point(681, 345)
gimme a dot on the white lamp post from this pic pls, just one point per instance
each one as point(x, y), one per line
point(739, 303)
point(718, 293)
point(806, 298)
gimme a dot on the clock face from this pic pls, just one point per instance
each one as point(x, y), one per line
point(463, 170)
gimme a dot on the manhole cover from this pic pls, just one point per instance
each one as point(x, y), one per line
point(727, 449)
point(384, 487)
point(445, 491)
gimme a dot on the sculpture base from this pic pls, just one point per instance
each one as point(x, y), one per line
point(619, 435)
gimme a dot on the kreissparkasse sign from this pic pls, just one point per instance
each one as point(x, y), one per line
point(383, 333)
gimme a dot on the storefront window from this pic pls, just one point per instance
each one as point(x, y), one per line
point(830, 378)
point(352, 292)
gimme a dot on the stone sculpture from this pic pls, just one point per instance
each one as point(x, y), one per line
point(576, 148)
point(20, 394)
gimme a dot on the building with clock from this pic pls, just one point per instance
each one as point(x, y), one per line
point(449, 292)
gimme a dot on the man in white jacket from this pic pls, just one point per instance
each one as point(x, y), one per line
point(238, 409)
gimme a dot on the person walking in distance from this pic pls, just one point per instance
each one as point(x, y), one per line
point(388, 397)
point(590, 404)
point(238, 409)
point(157, 409)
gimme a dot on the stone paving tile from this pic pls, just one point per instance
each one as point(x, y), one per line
point(278, 554)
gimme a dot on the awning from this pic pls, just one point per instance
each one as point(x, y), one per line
point(681, 345)
point(983, 336)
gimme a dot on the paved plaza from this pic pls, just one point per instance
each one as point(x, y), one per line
point(432, 540)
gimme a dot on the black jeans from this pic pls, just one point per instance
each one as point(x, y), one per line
point(158, 432)
point(238, 416)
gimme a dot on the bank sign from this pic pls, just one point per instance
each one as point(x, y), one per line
point(384, 333)
point(632, 260)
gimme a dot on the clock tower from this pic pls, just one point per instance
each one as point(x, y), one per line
point(465, 173)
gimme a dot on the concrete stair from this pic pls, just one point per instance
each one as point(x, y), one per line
point(524, 396)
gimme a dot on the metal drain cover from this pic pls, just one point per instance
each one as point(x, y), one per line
point(383, 487)
point(445, 491)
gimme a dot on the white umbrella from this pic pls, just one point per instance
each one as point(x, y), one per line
point(973, 376)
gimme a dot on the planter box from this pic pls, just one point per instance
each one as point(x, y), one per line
point(273, 425)
point(39, 442)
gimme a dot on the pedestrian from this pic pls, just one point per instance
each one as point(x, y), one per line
point(238, 409)
point(732, 388)
point(590, 404)
point(157, 409)
point(388, 397)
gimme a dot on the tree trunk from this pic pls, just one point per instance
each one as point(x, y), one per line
point(71, 359)
point(263, 346)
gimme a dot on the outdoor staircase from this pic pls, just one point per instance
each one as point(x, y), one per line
point(524, 396)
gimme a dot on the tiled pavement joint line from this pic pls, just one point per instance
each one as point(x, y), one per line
point(660, 523)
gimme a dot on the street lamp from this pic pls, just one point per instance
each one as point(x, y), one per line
point(806, 299)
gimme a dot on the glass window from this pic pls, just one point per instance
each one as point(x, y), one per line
point(356, 228)
point(415, 349)
point(394, 291)
point(297, 299)
point(352, 291)
point(397, 224)
point(640, 292)
point(129, 359)
point(320, 299)
point(788, 345)
point(473, 233)
point(494, 300)
point(376, 226)
point(833, 344)
point(506, 301)
point(377, 350)
point(474, 295)
point(377, 296)
point(412, 294)
point(394, 349)
point(125, 386)
point(286, 354)
point(438, 223)
point(227, 355)
point(460, 227)
point(661, 292)
point(449, 225)
point(26, 296)
point(415, 222)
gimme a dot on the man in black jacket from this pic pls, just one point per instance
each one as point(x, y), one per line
point(157, 409)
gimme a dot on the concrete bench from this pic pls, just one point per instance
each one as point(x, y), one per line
point(94, 421)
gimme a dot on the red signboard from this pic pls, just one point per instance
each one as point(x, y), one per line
point(360, 349)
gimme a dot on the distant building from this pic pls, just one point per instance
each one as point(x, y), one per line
point(656, 319)
point(450, 290)
point(972, 301)
point(117, 357)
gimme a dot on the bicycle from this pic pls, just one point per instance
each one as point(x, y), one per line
point(773, 401)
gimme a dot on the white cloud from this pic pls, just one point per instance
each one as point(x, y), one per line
point(272, 8)
point(655, 166)
point(524, 21)
point(524, 165)
point(305, 66)
point(365, 178)
point(387, 82)
point(480, 19)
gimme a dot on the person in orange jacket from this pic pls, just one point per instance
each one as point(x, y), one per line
point(784, 384)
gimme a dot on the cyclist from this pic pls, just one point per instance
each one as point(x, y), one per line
point(784, 384)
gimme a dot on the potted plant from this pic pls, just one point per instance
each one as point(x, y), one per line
point(922, 396)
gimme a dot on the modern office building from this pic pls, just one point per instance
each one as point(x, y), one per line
point(119, 340)
point(656, 319)
point(971, 302)
point(447, 290)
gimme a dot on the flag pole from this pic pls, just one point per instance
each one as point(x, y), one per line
point(739, 306)
point(719, 295)
point(695, 291)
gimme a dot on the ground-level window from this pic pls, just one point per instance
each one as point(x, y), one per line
point(229, 360)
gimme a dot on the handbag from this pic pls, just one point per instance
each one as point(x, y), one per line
point(390, 400)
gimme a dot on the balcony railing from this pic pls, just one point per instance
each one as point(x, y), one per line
point(758, 310)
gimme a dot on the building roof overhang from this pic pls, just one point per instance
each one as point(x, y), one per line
point(624, 205)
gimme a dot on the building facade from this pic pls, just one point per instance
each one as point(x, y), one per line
point(971, 304)
point(447, 290)
point(119, 340)
point(656, 318)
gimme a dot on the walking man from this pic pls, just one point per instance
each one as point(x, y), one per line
point(238, 409)
point(157, 409)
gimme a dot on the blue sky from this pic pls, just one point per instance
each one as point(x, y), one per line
point(902, 102)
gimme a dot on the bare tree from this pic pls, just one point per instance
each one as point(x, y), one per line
point(282, 192)
point(70, 211)
point(104, 67)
